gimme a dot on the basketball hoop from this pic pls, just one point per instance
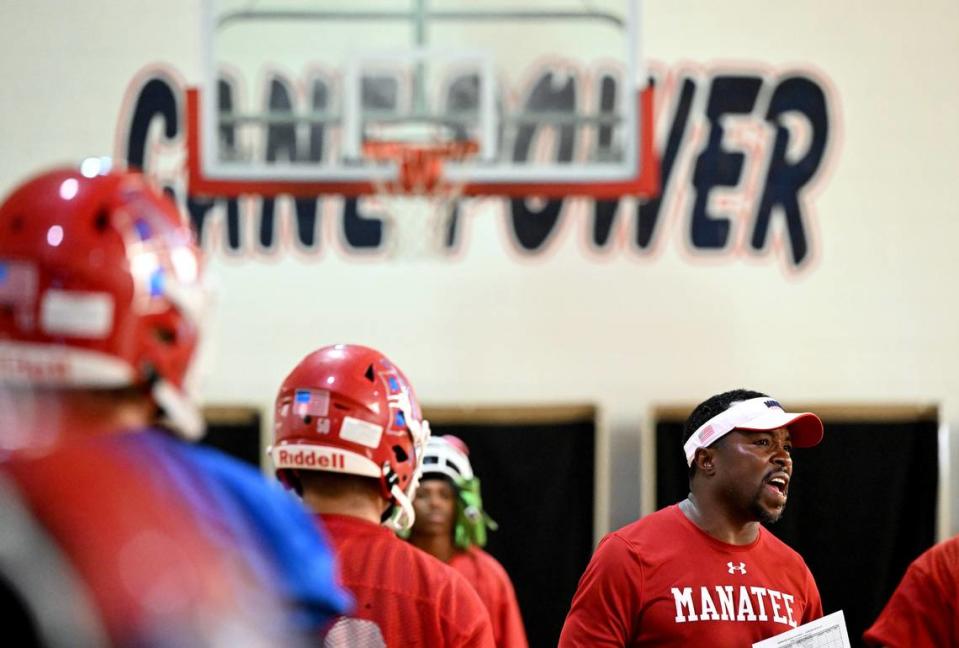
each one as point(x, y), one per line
point(420, 201)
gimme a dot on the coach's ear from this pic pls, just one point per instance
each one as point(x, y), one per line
point(704, 461)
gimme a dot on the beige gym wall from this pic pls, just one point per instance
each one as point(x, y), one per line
point(869, 319)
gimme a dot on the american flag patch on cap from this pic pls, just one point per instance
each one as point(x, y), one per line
point(706, 433)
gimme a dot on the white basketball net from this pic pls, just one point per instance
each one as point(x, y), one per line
point(419, 205)
point(417, 225)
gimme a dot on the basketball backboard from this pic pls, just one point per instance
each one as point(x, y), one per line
point(551, 94)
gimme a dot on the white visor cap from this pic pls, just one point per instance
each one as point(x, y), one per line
point(756, 414)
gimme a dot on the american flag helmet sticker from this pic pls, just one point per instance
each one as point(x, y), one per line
point(311, 402)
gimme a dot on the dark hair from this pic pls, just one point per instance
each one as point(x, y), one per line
point(710, 408)
point(439, 477)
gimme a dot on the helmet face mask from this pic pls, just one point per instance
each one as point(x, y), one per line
point(447, 457)
point(349, 409)
point(100, 288)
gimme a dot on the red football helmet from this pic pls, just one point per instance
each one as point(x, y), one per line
point(348, 409)
point(99, 288)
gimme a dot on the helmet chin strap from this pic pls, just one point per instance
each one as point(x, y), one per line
point(181, 413)
point(403, 513)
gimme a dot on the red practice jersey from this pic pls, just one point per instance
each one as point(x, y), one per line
point(126, 556)
point(924, 610)
point(404, 596)
point(493, 585)
point(662, 581)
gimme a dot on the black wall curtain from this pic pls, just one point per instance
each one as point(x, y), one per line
point(537, 483)
point(234, 431)
point(861, 507)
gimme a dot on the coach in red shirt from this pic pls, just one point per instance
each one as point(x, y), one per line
point(705, 572)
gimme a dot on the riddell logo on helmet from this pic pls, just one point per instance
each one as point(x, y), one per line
point(307, 459)
point(26, 369)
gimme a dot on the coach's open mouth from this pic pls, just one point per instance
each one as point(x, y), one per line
point(779, 481)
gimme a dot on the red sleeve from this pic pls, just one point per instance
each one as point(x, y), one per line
point(608, 600)
point(916, 615)
point(467, 622)
point(813, 609)
point(509, 621)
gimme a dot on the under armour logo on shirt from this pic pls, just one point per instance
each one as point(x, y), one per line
point(733, 567)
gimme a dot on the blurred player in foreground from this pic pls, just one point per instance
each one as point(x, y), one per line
point(115, 532)
point(350, 439)
point(705, 572)
point(451, 525)
point(924, 610)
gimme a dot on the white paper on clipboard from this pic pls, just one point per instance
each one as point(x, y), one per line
point(827, 632)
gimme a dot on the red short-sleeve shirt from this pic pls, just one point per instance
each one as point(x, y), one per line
point(662, 581)
point(924, 610)
point(403, 595)
point(493, 585)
